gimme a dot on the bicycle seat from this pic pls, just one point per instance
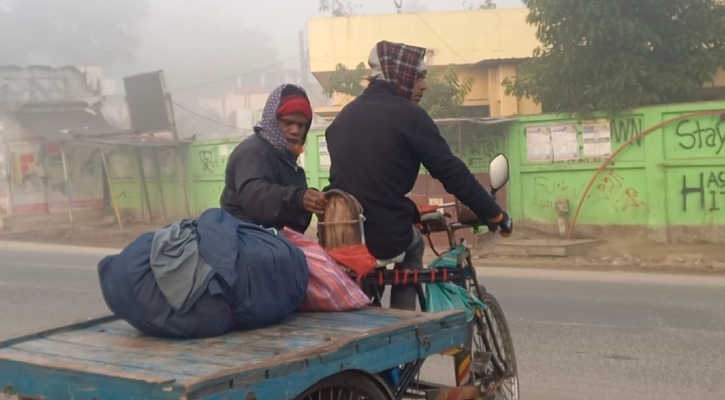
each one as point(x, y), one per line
point(432, 220)
point(424, 209)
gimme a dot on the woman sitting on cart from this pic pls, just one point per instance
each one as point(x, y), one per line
point(377, 144)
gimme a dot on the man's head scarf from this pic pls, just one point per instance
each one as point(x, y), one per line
point(398, 64)
point(284, 100)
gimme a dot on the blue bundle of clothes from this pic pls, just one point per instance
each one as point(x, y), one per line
point(205, 277)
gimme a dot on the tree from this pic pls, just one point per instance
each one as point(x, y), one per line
point(70, 31)
point(442, 99)
point(347, 81)
point(620, 54)
point(446, 93)
point(338, 8)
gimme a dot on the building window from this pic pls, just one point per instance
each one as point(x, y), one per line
point(476, 111)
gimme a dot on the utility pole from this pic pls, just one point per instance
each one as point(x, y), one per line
point(304, 63)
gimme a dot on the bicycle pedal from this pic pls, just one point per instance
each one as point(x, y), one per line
point(479, 361)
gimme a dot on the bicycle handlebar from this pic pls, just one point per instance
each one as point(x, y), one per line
point(455, 226)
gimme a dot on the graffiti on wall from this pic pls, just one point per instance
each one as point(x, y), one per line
point(479, 147)
point(92, 164)
point(613, 188)
point(707, 134)
point(213, 159)
point(610, 188)
point(624, 129)
point(85, 173)
point(210, 159)
point(704, 192)
point(547, 191)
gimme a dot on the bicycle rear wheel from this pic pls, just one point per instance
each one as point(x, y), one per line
point(497, 375)
point(348, 385)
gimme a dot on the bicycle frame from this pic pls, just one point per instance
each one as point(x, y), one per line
point(450, 230)
point(464, 273)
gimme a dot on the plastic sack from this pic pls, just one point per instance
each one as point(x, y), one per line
point(329, 288)
point(448, 296)
point(355, 257)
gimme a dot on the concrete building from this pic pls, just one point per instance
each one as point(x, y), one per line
point(483, 44)
point(41, 110)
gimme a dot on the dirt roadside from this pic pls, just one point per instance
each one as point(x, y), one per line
point(612, 254)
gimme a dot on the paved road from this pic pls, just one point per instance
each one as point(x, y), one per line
point(578, 335)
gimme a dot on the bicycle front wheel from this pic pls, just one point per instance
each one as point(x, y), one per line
point(497, 375)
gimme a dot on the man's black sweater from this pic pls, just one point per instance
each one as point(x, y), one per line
point(377, 144)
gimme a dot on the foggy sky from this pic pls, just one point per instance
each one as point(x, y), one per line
point(177, 29)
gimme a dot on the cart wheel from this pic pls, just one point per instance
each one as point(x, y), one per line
point(497, 341)
point(348, 385)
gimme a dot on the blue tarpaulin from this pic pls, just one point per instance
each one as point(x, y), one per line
point(257, 278)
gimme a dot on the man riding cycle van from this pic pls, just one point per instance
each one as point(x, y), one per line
point(377, 144)
point(263, 183)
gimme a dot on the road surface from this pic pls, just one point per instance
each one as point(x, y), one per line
point(579, 335)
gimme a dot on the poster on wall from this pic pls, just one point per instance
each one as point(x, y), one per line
point(538, 143)
point(27, 187)
point(565, 142)
point(325, 161)
point(597, 138)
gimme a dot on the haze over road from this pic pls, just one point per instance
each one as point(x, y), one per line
point(578, 335)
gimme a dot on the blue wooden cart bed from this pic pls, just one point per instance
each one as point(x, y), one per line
point(106, 359)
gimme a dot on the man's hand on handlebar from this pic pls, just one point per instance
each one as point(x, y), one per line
point(502, 222)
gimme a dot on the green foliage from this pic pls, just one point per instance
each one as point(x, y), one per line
point(347, 81)
point(445, 94)
point(620, 54)
point(69, 31)
point(443, 98)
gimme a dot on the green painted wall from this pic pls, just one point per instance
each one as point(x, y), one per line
point(476, 144)
point(673, 177)
point(205, 163)
point(126, 183)
point(316, 165)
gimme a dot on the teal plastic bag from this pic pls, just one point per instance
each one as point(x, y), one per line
point(446, 296)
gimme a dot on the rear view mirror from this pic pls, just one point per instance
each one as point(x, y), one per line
point(498, 172)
